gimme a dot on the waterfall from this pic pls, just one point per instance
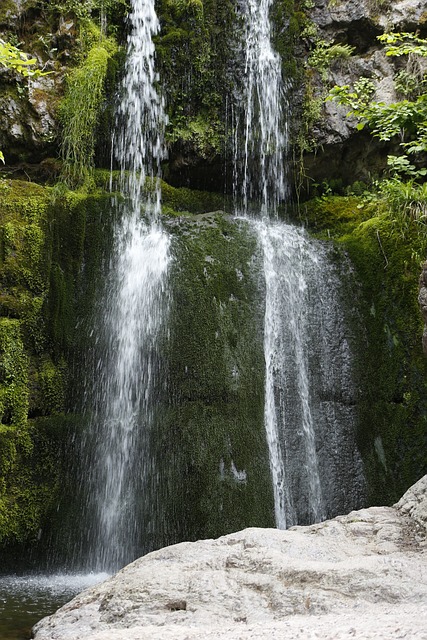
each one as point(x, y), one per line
point(260, 127)
point(308, 373)
point(291, 264)
point(301, 299)
point(131, 318)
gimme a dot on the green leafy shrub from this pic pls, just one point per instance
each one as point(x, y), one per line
point(405, 121)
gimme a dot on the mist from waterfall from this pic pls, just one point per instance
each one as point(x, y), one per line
point(131, 319)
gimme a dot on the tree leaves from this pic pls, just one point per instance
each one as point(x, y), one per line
point(403, 44)
point(405, 120)
point(13, 58)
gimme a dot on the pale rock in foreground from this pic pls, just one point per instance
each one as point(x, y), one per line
point(363, 575)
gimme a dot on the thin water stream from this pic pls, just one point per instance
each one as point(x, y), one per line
point(260, 117)
point(115, 454)
point(304, 362)
point(132, 315)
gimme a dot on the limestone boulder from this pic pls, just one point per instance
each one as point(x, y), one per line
point(406, 15)
point(360, 575)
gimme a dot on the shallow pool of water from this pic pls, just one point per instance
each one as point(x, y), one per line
point(24, 600)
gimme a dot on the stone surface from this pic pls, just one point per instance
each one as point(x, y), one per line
point(360, 575)
point(414, 504)
point(397, 16)
point(339, 151)
point(422, 299)
point(406, 15)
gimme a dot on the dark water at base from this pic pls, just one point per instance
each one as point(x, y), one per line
point(24, 600)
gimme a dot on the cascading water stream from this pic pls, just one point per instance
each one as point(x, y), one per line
point(291, 270)
point(259, 186)
point(132, 316)
point(293, 265)
point(260, 127)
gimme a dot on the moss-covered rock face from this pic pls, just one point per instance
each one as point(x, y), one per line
point(213, 427)
point(208, 470)
point(28, 376)
point(422, 299)
point(386, 253)
point(209, 442)
point(54, 244)
point(42, 241)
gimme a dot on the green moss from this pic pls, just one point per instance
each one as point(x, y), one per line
point(48, 388)
point(190, 200)
point(214, 425)
point(19, 512)
point(174, 200)
point(13, 375)
point(44, 237)
point(289, 20)
point(385, 252)
point(80, 111)
point(24, 259)
point(29, 481)
point(205, 136)
point(8, 8)
point(334, 216)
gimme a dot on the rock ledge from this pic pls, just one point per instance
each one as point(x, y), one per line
point(360, 575)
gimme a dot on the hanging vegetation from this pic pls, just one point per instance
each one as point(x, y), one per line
point(80, 112)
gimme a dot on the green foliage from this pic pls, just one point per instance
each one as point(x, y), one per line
point(324, 53)
point(407, 205)
point(85, 9)
point(405, 120)
point(205, 137)
point(359, 99)
point(80, 112)
point(322, 57)
point(400, 165)
point(403, 44)
point(384, 233)
point(410, 84)
point(13, 58)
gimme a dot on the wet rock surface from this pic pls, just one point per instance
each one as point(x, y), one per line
point(360, 575)
point(422, 298)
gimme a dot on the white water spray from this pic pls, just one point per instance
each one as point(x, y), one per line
point(134, 308)
point(260, 123)
point(291, 270)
